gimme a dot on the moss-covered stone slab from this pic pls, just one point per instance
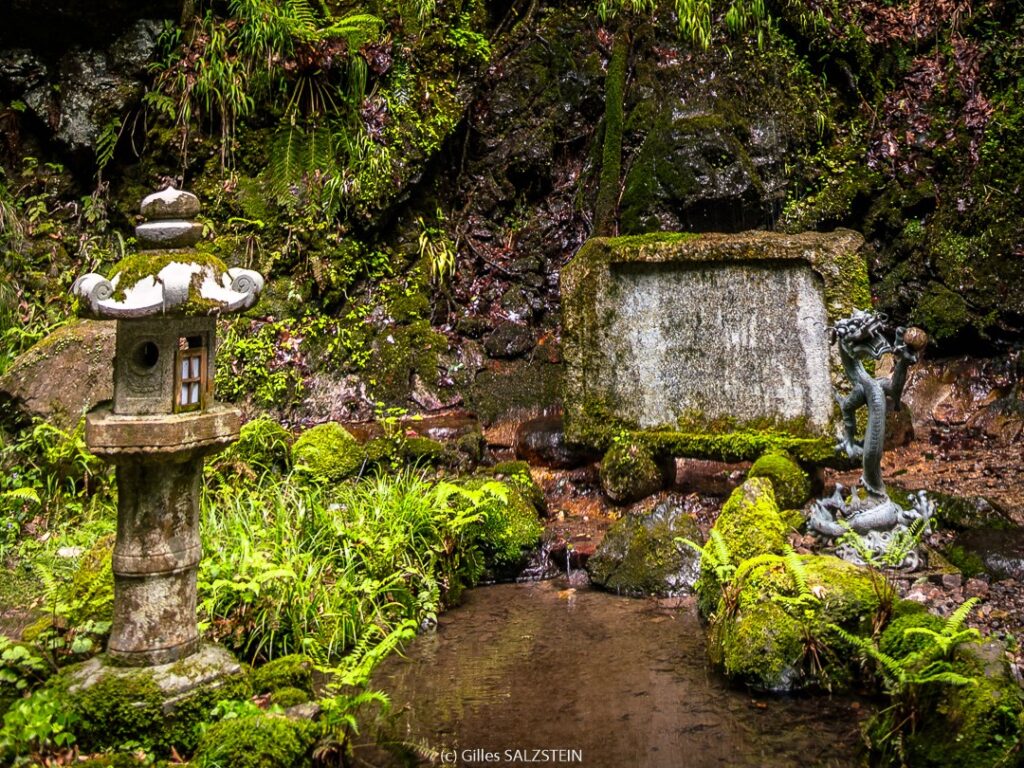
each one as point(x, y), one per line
point(709, 345)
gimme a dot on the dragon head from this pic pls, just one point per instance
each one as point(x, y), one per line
point(863, 334)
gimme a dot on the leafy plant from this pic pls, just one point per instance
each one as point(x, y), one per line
point(907, 678)
point(437, 248)
point(34, 725)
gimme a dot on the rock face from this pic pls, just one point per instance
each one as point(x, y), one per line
point(80, 95)
point(701, 331)
point(61, 377)
point(640, 554)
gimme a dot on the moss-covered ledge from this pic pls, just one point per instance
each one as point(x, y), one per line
point(614, 370)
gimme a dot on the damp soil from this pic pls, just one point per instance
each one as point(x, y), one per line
point(624, 682)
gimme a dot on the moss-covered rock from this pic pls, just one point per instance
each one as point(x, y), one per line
point(629, 472)
point(423, 450)
point(289, 697)
point(256, 741)
point(772, 632)
point(158, 708)
point(979, 724)
point(327, 453)
point(642, 555)
point(61, 377)
point(293, 671)
point(791, 484)
point(748, 525)
point(507, 532)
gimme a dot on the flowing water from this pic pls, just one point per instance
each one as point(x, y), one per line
point(596, 680)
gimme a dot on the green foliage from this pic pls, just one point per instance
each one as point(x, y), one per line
point(23, 668)
point(437, 249)
point(34, 725)
point(696, 17)
point(329, 571)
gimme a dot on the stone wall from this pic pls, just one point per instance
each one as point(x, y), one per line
point(690, 337)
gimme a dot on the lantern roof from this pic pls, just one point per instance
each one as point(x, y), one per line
point(168, 276)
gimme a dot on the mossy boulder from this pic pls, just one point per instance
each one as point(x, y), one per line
point(61, 377)
point(791, 484)
point(975, 725)
point(156, 708)
point(748, 525)
point(507, 533)
point(629, 472)
point(641, 554)
point(256, 741)
point(772, 627)
point(328, 453)
point(292, 671)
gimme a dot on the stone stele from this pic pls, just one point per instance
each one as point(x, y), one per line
point(687, 338)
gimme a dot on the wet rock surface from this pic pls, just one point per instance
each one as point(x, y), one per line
point(640, 555)
point(542, 442)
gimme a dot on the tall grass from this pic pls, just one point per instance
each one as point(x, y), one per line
point(291, 568)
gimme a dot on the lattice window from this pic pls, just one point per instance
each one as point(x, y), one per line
point(190, 375)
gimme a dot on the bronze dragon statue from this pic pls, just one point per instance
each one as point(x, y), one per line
point(869, 511)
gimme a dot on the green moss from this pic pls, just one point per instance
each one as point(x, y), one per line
point(629, 472)
point(289, 697)
point(134, 268)
point(766, 616)
point(641, 555)
point(941, 312)
point(327, 453)
point(403, 351)
point(517, 474)
point(969, 563)
point(293, 671)
point(749, 525)
point(977, 725)
point(896, 643)
point(509, 530)
point(129, 709)
point(761, 647)
point(256, 741)
point(419, 450)
point(791, 484)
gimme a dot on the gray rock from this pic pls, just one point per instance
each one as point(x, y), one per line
point(62, 376)
point(640, 554)
point(170, 203)
point(509, 340)
point(169, 234)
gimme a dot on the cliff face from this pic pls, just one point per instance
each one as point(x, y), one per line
point(414, 183)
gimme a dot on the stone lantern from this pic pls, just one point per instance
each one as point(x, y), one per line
point(163, 420)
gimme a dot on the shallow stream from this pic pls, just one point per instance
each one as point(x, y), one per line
point(609, 681)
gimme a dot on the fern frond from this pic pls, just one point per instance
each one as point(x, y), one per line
point(956, 620)
point(797, 571)
point(28, 495)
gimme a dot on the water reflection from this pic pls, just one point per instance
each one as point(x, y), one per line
point(624, 682)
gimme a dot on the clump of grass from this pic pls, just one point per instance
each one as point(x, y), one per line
point(290, 567)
